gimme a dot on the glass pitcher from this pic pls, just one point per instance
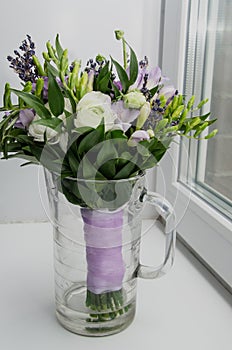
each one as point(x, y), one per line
point(97, 250)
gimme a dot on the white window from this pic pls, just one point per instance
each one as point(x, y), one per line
point(197, 176)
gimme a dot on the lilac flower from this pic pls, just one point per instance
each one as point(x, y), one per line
point(118, 84)
point(167, 91)
point(25, 118)
point(138, 136)
point(148, 79)
point(124, 116)
point(45, 88)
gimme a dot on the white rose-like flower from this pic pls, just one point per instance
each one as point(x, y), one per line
point(92, 108)
point(37, 131)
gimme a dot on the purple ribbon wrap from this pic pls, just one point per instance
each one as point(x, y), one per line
point(103, 236)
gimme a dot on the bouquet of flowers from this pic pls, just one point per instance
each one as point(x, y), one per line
point(107, 121)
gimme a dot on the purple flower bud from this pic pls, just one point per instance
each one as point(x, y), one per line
point(140, 135)
point(167, 91)
point(118, 85)
point(25, 118)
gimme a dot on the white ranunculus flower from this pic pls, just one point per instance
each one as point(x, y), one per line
point(37, 131)
point(92, 108)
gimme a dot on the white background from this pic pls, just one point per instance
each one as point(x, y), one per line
point(86, 28)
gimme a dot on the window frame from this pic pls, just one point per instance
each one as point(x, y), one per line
point(202, 228)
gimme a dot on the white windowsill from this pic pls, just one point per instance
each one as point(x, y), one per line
point(187, 309)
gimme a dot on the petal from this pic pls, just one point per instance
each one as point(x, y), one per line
point(125, 115)
point(154, 77)
point(25, 118)
point(140, 135)
point(167, 91)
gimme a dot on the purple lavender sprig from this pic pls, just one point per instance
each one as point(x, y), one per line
point(23, 63)
point(96, 65)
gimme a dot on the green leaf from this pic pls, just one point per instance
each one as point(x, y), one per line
point(116, 91)
point(74, 164)
point(27, 163)
point(133, 67)
point(154, 90)
point(91, 139)
point(200, 129)
point(115, 134)
point(211, 121)
point(108, 169)
point(107, 152)
point(33, 102)
point(83, 130)
point(88, 169)
point(122, 74)
point(11, 123)
point(25, 139)
point(143, 150)
point(103, 72)
point(21, 155)
point(128, 169)
point(52, 123)
point(52, 69)
point(36, 150)
point(205, 116)
point(15, 132)
point(103, 79)
point(72, 158)
point(71, 192)
point(59, 49)
point(103, 84)
point(55, 96)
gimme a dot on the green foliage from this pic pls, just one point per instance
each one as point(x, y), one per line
point(33, 102)
point(133, 67)
point(122, 74)
point(177, 121)
point(59, 49)
point(103, 79)
point(55, 95)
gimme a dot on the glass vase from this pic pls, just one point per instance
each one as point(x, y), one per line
point(97, 249)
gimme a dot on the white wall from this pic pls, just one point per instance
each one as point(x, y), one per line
point(86, 28)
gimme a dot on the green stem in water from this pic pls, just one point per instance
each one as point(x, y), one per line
point(106, 306)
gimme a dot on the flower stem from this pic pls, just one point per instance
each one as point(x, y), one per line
point(107, 306)
point(124, 53)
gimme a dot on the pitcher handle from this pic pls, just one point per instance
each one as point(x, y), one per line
point(166, 214)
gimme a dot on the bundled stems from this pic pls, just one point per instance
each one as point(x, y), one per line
point(107, 306)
